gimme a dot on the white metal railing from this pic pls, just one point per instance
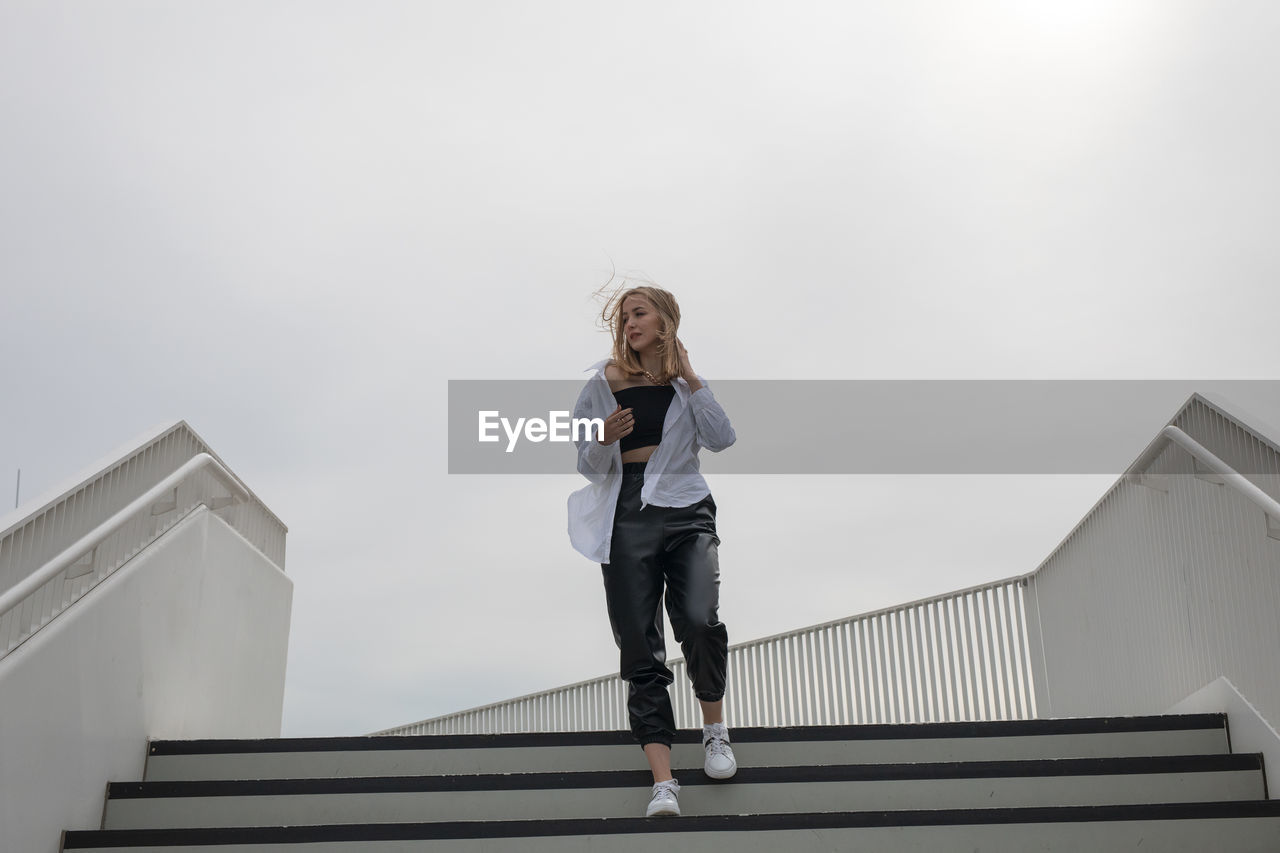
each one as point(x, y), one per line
point(961, 656)
point(1014, 649)
point(1171, 581)
point(52, 556)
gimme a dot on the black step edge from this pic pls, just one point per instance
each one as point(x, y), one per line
point(89, 839)
point(873, 731)
point(590, 779)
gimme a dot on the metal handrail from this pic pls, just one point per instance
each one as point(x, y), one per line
point(1230, 476)
point(33, 582)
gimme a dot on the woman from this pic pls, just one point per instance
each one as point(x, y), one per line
point(649, 519)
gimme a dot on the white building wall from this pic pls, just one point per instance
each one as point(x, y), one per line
point(187, 640)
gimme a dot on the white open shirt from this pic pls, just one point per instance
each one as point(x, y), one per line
point(671, 477)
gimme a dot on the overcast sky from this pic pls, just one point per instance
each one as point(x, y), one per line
point(291, 223)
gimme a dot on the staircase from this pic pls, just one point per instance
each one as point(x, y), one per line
point(1165, 783)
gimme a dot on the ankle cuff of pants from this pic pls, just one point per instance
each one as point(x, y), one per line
point(708, 697)
point(648, 739)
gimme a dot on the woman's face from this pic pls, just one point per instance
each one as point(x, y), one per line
point(640, 323)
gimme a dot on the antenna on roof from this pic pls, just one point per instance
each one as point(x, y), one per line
point(17, 491)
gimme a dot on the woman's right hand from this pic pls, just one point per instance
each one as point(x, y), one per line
point(618, 425)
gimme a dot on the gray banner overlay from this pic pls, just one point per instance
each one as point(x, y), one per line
point(819, 426)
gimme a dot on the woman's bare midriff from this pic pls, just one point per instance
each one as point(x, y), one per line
point(638, 454)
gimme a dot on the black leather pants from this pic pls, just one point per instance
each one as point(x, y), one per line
point(653, 547)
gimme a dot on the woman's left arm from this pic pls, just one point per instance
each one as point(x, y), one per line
point(711, 424)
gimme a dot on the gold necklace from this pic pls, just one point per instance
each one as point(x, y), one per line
point(652, 378)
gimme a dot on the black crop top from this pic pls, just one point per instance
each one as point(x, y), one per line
point(649, 404)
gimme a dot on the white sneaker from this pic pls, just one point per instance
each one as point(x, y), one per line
point(720, 763)
point(664, 800)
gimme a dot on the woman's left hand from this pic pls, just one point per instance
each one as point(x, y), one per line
point(686, 370)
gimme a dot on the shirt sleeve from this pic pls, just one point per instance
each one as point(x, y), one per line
point(711, 424)
point(594, 459)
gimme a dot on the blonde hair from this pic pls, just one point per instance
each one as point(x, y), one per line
point(668, 311)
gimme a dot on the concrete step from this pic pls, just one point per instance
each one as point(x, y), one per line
point(1235, 827)
point(297, 758)
point(618, 794)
